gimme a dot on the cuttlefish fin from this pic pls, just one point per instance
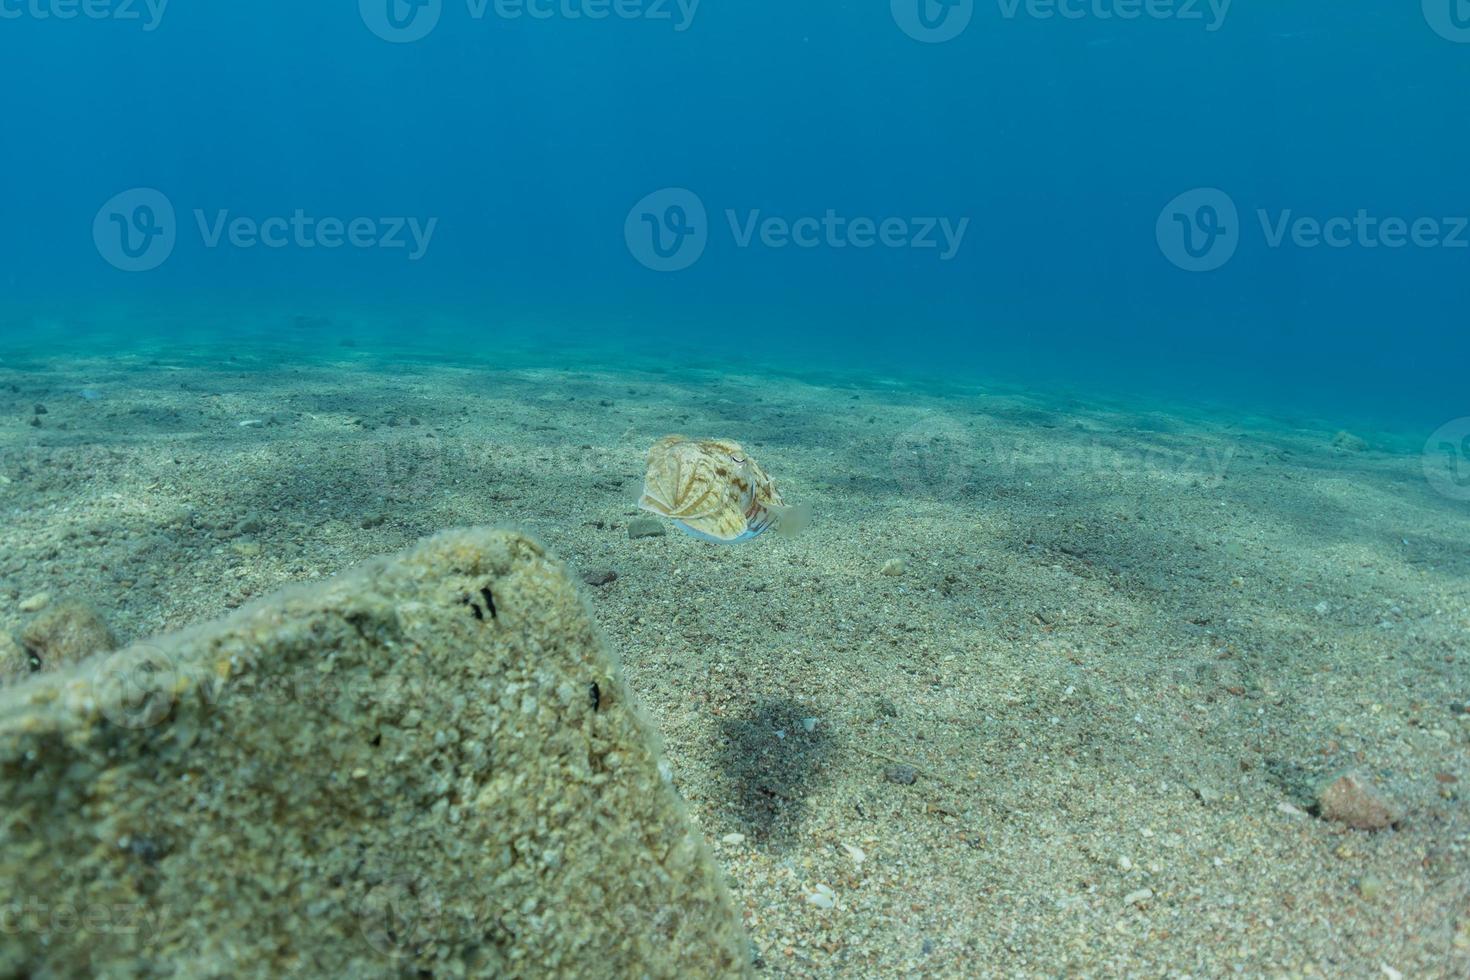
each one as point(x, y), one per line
point(791, 521)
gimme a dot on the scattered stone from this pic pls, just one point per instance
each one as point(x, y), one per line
point(646, 527)
point(822, 897)
point(1208, 795)
point(1370, 887)
point(1348, 442)
point(809, 724)
point(67, 633)
point(733, 839)
point(857, 854)
point(902, 775)
point(36, 602)
point(40, 409)
point(893, 566)
point(1352, 800)
point(1139, 897)
point(155, 774)
point(600, 578)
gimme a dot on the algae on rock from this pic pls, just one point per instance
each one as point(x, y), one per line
point(429, 765)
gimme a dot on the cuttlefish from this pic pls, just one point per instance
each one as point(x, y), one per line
point(711, 489)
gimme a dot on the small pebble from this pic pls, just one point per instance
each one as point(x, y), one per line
point(893, 566)
point(252, 423)
point(733, 839)
point(810, 724)
point(822, 897)
point(1352, 800)
point(1207, 794)
point(646, 527)
point(1138, 897)
point(902, 775)
point(605, 576)
point(36, 602)
point(40, 409)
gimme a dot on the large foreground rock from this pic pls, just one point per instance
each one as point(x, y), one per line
point(427, 766)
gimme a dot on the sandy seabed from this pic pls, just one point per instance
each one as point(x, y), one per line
point(1081, 732)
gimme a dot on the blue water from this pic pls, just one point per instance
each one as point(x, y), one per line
point(1055, 143)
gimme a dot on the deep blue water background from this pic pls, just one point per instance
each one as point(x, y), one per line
point(530, 139)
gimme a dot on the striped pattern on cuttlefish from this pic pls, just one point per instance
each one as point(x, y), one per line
point(713, 490)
